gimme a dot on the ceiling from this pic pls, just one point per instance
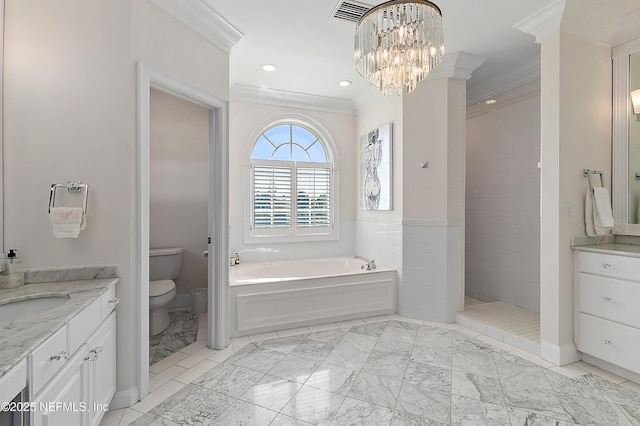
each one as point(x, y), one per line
point(314, 51)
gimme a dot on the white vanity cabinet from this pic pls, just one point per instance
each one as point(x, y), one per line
point(76, 389)
point(607, 314)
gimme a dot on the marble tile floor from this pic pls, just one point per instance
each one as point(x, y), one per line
point(378, 371)
point(182, 332)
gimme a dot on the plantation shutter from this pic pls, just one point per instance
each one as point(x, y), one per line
point(272, 196)
point(313, 197)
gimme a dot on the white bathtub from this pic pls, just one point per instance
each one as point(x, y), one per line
point(269, 296)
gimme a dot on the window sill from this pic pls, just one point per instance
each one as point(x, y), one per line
point(270, 239)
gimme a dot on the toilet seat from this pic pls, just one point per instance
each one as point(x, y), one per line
point(161, 287)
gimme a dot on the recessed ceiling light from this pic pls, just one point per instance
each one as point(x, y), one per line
point(269, 67)
point(490, 101)
point(344, 83)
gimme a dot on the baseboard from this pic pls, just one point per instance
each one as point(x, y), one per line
point(622, 372)
point(124, 398)
point(560, 354)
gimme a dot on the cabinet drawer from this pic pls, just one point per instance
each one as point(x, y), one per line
point(47, 359)
point(609, 265)
point(84, 324)
point(611, 342)
point(109, 302)
point(609, 298)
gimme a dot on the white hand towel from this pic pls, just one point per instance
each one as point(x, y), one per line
point(588, 214)
point(67, 222)
point(602, 214)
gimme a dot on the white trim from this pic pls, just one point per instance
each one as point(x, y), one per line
point(218, 195)
point(629, 29)
point(559, 354)
point(544, 22)
point(523, 74)
point(456, 65)
point(625, 49)
point(504, 99)
point(124, 398)
point(425, 222)
point(1, 127)
point(620, 154)
point(589, 24)
point(264, 96)
point(201, 17)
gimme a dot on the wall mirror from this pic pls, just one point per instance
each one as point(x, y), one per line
point(626, 139)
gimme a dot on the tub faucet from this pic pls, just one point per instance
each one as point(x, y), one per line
point(371, 264)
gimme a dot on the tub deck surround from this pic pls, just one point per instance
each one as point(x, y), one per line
point(269, 296)
point(19, 338)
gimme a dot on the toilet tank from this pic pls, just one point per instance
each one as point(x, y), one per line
point(164, 263)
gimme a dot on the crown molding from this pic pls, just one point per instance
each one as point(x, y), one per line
point(629, 28)
point(456, 65)
point(506, 98)
point(544, 22)
point(524, 73)
point(202, 18)
point(281, 98)
point(589, 24)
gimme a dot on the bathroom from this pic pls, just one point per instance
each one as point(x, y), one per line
point(96, 71)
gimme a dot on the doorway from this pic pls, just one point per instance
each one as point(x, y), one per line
point(217, 238)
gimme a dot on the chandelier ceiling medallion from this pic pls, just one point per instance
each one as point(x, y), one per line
point(397, 43)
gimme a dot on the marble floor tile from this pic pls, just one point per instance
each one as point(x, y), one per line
point(313, 405)
point(271, 392)
point(234, 381)
point(368, 373)
point(465, 411)
point(243, 413)
point(294, 368)
point(522, 417)
point(333, 379)
point(312, 349)
point(353, 412)
point(486, 389)
point(181, 332)
point(404, 335)
point(380, 391)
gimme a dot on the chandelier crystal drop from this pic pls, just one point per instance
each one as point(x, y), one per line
point(397, 43)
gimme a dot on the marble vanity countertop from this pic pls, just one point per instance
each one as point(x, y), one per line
point(613, 248)
point(20, 337)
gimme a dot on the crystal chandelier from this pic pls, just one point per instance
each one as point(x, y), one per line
point(397, 43)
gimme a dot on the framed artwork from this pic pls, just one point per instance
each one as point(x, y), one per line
point(375, 169)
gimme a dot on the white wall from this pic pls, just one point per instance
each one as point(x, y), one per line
point(503, 201)
point(179, 186)
point(70, 114)
point(575, 134)
point(246, 120)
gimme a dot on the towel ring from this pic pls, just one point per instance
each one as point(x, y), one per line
point(71, 187)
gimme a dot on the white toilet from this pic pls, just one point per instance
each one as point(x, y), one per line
point(164, 267)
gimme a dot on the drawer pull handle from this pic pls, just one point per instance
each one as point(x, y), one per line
point(607, 299)
point(606, 266)
point(94, 354)
point(62, 355)
point(115, 301)
point(608, 342)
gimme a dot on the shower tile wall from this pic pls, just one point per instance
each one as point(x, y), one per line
point(503, 205)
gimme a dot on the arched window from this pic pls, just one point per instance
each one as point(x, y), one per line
point(291, 183)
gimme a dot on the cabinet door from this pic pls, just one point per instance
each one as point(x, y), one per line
point(102, 368)
point(65, 400)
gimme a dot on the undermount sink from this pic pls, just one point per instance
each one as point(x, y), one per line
point(23, 308)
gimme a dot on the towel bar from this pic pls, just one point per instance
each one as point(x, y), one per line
point(588, 173)
point(71, 187)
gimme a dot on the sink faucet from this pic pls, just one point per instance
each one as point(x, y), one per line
point(371, 264)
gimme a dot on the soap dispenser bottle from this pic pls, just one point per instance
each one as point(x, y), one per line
point(11, 276)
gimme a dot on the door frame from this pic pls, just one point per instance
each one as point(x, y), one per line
point(218, 265)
